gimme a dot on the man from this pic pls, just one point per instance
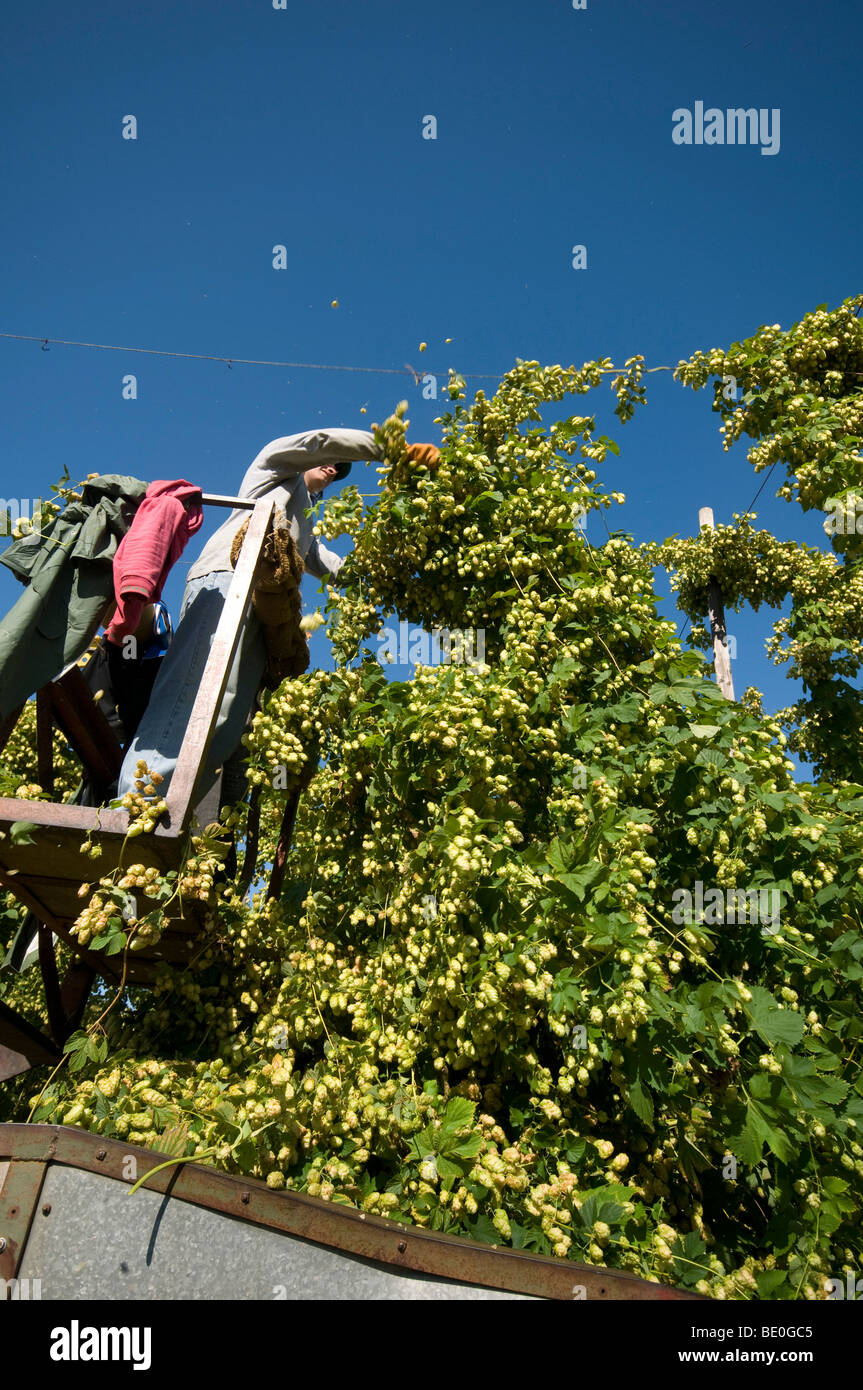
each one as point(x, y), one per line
point(291, 470)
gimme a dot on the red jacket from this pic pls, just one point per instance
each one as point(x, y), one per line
point(154, 542)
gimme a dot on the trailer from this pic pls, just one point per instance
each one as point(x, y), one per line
point(71, 1229)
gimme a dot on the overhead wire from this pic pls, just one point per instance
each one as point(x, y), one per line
point(407, 370)
point(267, 362)
point(304, 366)
point(232, 361)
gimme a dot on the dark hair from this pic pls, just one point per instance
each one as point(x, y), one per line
point(343, 468)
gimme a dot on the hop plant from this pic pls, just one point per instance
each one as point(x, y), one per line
point(471, 1006)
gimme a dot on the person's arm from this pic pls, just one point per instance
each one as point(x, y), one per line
point(295, 453)
point(322, 563)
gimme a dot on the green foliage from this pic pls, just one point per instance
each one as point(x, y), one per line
point(475, 1005)
point(799, 395)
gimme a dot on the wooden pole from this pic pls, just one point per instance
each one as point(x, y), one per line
point(716, 611)
point(286, 835)
point(51, 982)
point(44, 741)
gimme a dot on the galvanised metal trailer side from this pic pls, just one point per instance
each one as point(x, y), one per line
point(69, 1229)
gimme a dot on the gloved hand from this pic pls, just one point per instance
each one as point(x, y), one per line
point(427, 454)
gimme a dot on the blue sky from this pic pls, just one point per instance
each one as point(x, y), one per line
point(303, 126)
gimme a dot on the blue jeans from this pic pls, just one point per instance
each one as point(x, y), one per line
point(163, 727)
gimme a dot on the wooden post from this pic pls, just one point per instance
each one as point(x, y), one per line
point(44, 741)
point(7, 726)
point(51, 982)
point(716, 611)
point(286, 835)
point(253, 835)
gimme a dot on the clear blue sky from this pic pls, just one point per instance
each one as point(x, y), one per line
point(303, 126)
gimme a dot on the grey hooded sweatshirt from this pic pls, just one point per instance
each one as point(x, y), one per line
point(278, 472)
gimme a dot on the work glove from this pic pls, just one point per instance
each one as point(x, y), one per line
point(426, 454)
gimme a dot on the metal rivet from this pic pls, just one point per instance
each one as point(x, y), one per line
point(46, 1210)
point(244, 1196)
point(103, 1153)
point(403, 1245)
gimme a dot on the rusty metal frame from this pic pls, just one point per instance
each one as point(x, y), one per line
point(61, 929)
point(78, 716)
point(74, 993)
point(12, 1063)
point(20, 1036)
point(20, 1186)
point(402, 1247)
point(65, 1003)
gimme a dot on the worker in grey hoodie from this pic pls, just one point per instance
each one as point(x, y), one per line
point(292, 470)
